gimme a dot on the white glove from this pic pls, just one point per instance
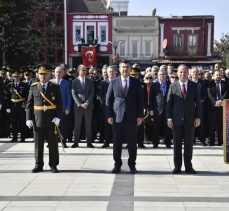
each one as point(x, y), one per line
point(29, 124)
point(0, 106)
point(8, 110)
point(56, 121)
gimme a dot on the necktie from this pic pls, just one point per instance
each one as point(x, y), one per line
point(183, 91)
point(83, 83)
point(125, 87)
point(43, 88)
point(218, 92)
point(163, 89)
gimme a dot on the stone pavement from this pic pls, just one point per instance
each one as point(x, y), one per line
point(85, 182)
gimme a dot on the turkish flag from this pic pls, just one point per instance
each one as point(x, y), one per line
point(89, 55)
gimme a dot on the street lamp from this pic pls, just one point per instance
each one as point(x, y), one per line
point(115, 45)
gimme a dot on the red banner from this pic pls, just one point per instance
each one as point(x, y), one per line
point(89, 55)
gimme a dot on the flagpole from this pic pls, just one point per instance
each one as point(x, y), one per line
point(65, 33)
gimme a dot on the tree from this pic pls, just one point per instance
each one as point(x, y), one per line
point(222, 47)
point(17, 20)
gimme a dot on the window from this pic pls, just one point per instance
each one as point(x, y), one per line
point(192, 44)
point(90, 34)
point(103, 33)
point(178, 42)
point(122, 48)
point(135, 49)
point(148, 48)
point(77, 33)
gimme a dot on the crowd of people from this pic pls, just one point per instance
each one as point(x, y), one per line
point(88, 106)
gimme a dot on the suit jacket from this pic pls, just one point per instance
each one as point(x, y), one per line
point(117, 103)
point(183, 111)
point(212, 93)
point(160, 101)
point(44, 118)
point(82, 95)
point(103, 93)
point(65, 90)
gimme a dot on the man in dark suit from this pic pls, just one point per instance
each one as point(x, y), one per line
point(202, 84)
point(217, 92)
point(183, 115)
point(124, 104)
point(43, 113)
point(66, 96)
point(103, 93)
point(83, 95)
point(159, 108)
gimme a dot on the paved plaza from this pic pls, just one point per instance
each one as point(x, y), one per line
point(85, 182)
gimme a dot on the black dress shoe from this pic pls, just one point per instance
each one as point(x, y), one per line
point(211, 144)
point(105, 146)
point(75, 145)
point(65, 145)
point(37, 169)
point(190, 171)
point(54, 169)
point(116, 170)
point(22, 140)
point(133, 170)
point(168, 146)
point(90, 145)
point(155, 146)
point(141, 146)
point(204, 144)
point(13, 140)
point(176, 171)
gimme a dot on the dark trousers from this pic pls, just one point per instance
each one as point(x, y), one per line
point(18, 120)
point(140, 134)
point(79, 113)
point(200, 131)
point(40, 135)
point(66, 126)
point(108, 133)
point(180, 133)
point(128, 131)
point(149, 131)
point(216, 124)
point(161, 129)
point(4, 122)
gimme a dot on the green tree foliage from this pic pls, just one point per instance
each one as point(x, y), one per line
point(17, 19)
point(222, 47)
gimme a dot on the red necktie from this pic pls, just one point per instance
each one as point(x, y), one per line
point(183, 91)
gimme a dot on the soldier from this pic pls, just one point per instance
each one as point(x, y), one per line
point(18, 96)
point(43, 112)
point(4, 111)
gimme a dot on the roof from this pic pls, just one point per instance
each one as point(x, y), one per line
point(87, 6)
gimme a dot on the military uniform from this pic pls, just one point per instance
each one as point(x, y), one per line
point(42, 107)
point(4, 102)
point(18, 97)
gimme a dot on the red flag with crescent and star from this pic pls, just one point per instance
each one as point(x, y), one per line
point(89, 55)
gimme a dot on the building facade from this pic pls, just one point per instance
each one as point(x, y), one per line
point(49, 28)
point(187, 39)
point(137, 38)
point(89, 24)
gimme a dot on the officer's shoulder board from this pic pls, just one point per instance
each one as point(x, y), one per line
point(34, 83)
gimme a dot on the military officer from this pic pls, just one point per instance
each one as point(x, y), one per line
point(18, 97)
point(43, 111)
point(5, 96)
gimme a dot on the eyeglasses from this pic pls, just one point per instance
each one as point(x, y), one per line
point(149, 78)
